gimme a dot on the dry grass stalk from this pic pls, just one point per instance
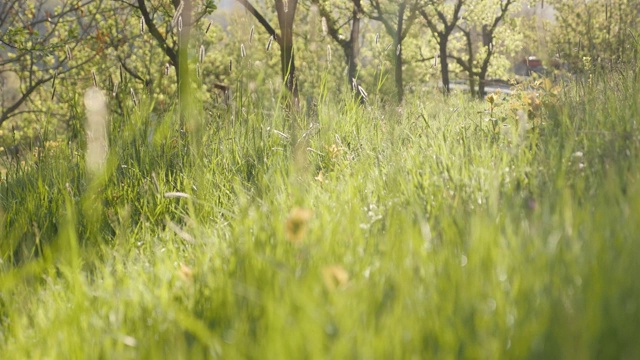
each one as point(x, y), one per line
point(97, 146)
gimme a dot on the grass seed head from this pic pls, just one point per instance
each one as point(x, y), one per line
point(269, 42)
point(133, 97)
point(177, 16)
point(363, 93)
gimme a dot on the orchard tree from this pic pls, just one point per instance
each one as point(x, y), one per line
point(42, 46)
point(148, 44)
point(485, 19)
point(286, 12)
point(600, 32)
point(334, 20)
point(442, 18)
point(178, 18)
point(130, 61)
point(397, 19)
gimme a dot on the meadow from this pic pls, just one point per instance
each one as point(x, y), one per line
point(444, 228)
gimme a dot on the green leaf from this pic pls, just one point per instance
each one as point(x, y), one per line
point(210, 7)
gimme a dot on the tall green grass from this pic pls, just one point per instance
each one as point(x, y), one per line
point(433, 234)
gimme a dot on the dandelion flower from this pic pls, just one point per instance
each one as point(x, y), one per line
point(335, 277)
point(185, 272)
point(296, 224)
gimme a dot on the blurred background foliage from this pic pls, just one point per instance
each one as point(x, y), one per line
point(50, 51)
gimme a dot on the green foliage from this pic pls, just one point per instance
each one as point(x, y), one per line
point(210, 7)
point(45, 52)
point(605, 31)
point(105, 39)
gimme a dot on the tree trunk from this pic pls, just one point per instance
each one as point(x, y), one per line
point(481, 84)
point(398, 49)
point(288, 68)
point(444, 65)
point(482, 75)
point(286, 14)
point(482, 79)
point(399, 83)
point(472, 85)
point(352, 50)
point(472, 82)
point(183, 25)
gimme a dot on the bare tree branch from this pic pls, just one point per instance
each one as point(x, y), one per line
point(153, 30)
point(8, 112)
point(253, 11)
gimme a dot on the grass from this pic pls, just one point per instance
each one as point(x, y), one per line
point(429, 231)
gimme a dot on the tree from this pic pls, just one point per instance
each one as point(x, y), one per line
point(605, 32)
point(88, 40)
point(487, 16)
point(286, 12)
point(175, 43)
point(42, 46)
point(350, 46)
point(435, 12)
point(397, 21)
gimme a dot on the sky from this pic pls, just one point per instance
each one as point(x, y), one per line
point(225, 4)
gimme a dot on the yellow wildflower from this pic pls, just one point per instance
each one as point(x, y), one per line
point(296, 224)
point(335, 277)
point(491, 99)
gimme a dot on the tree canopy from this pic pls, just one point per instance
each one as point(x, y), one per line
point(165, 48)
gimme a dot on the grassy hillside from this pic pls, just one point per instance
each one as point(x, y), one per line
point(447, 228)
